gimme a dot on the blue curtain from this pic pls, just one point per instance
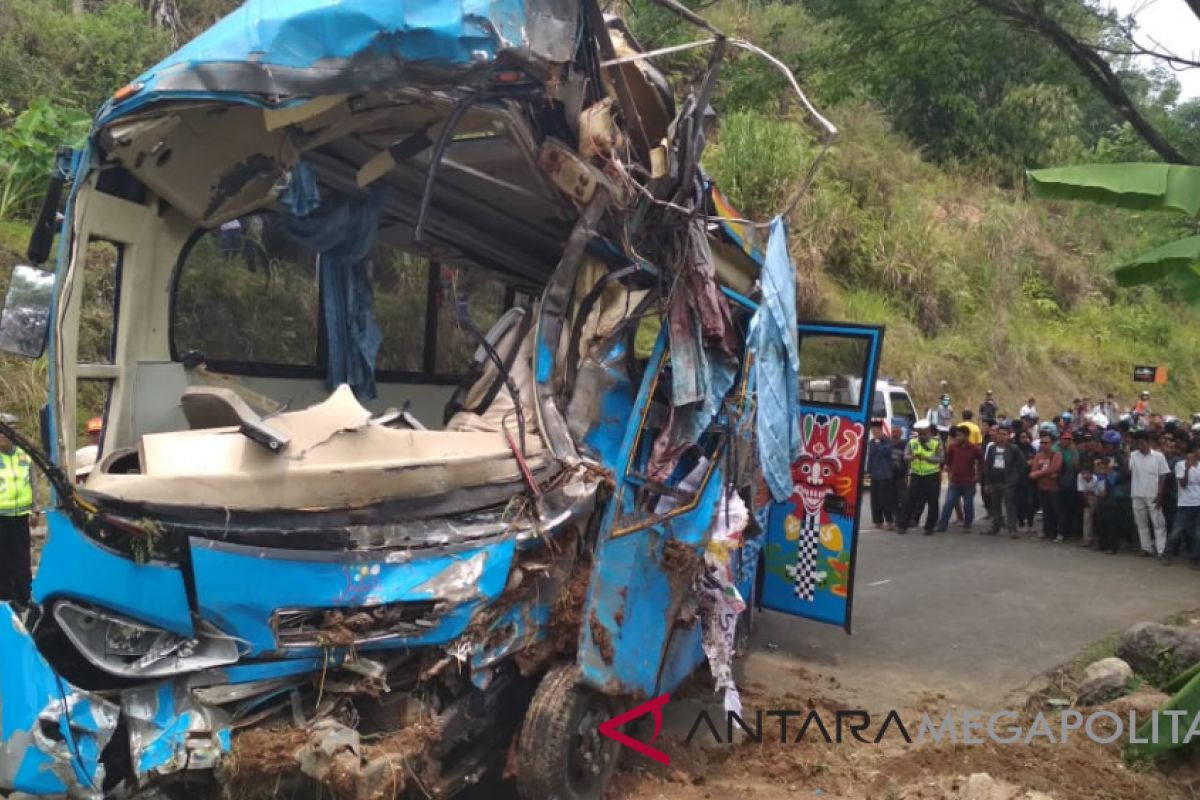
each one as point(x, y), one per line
point(342, 230)
point(774, 339)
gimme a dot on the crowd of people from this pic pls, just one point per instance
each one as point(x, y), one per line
point(1099, 475)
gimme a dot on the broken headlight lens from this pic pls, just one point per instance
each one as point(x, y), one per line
point(131, 649)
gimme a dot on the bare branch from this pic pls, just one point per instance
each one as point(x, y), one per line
point(1033, 17)
point(1177, 63)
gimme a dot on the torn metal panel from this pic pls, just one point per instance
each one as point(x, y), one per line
point(602, 404)
point(75, 565)
point(51, 733)
point(641, 575)
point(308, 48)
point(292, 580)
point(636, 594)
point(169, 731)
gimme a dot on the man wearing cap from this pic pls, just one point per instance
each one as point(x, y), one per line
point(988, 408)
point(1148, 477)
point(883, 485)
point(17, 512)
point(924, 456)
point(1003, 467)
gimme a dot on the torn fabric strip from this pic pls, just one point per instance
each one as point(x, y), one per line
point(776, 346)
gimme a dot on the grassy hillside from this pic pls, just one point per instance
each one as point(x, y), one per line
point(977, 286)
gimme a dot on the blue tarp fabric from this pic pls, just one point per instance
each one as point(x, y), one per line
point(775, 342)
point(343, 231)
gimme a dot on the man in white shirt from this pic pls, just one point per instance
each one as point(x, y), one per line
point(1187, 513)
point(1029, 410)
point(1148, 469)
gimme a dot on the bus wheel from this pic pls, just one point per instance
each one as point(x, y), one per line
point(561, 753)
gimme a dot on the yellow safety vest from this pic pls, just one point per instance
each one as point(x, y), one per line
point(927, 450)
point(16, 483)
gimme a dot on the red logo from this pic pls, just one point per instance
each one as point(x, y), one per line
point(654, 707)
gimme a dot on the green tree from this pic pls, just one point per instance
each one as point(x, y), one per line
point(80, 60)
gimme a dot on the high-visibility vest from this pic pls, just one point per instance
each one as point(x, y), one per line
point(928, 450)
point(16, 483)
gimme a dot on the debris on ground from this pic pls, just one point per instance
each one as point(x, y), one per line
point(891, 770)
point(1143, 703)
point(334, 756)
point(261, 758)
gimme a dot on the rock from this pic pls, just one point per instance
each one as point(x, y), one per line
point(1160, 652)
point(1143, 702)
point(1103, 680)
point(982, 786)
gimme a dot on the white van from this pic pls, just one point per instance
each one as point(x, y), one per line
point(892, 402)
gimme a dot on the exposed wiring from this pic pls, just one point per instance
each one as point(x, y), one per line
point(435, 158)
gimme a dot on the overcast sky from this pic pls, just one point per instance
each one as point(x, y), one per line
point(1173, 25)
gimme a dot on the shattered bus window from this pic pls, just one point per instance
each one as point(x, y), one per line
point(97, 326)
point(830, 368)
point(401, 283)
point(466, 297)
point(246, 293)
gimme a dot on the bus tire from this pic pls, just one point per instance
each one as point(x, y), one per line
point(561, 754)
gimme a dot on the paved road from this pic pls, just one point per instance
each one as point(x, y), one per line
point(967, 615)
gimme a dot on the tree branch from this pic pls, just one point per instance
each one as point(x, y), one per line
point(1177, 63)
point(1091, 64)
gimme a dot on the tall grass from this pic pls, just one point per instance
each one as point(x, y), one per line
point(976, 285)
point(756, 160)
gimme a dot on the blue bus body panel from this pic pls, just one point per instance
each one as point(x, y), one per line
point(74, 566)
point(283, 579)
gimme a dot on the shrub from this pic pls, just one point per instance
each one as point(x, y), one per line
point(758, 161)
point(46, 51)
point(27, 147)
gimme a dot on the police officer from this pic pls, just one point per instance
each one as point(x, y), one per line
point(17, 513)
point(925, 456)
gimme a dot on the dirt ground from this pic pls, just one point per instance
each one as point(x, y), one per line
point(894, 769)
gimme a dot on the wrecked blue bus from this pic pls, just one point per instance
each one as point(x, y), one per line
point(449, 410)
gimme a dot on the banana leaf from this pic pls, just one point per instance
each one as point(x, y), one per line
point(1187, 699)
point(1181, 680)
point(1169, 187)
point(1179, 259)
